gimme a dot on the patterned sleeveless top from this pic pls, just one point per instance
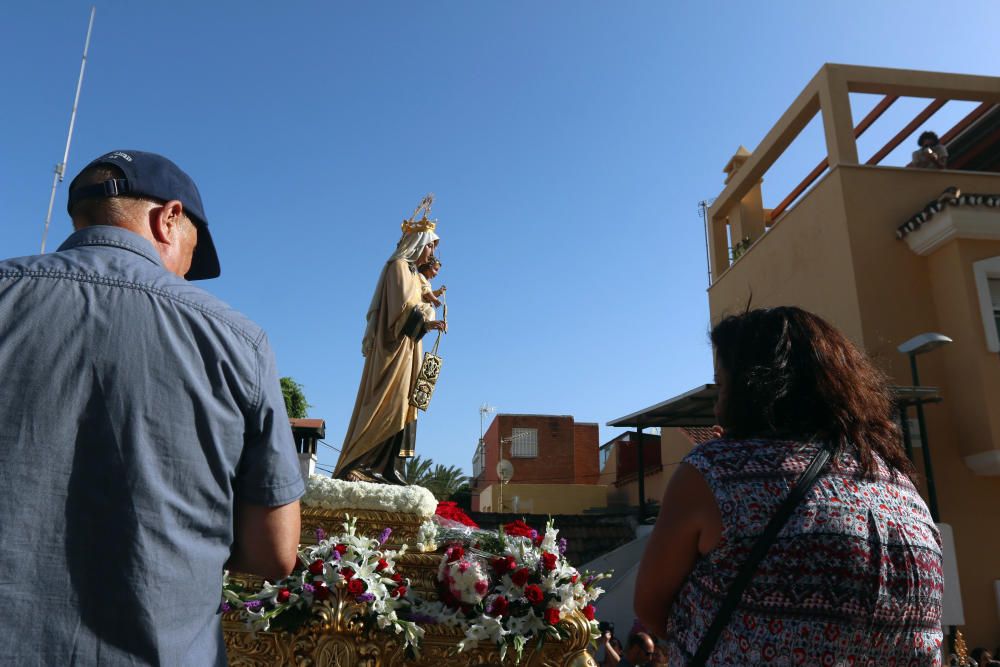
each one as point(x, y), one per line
point(853, 578)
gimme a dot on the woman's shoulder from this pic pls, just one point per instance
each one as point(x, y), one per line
point(738, 453)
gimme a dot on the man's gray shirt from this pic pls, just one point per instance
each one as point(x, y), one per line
point(135, 411)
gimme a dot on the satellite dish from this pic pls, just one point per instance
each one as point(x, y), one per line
point(505, 470)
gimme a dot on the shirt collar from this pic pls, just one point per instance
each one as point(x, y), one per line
point(117, 237)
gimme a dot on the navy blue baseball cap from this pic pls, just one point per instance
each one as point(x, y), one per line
point(154, 176)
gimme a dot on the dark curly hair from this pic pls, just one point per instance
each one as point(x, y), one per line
point(790, 374)
point(927, 135)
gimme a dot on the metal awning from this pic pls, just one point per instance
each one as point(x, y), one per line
point(692, 408)
point(697, 407)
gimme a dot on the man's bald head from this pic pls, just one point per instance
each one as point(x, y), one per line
point(115, 211)
point(164, 224)
point(640, 648)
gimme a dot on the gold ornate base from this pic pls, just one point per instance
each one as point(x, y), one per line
point(330, 644)
point(404, 526)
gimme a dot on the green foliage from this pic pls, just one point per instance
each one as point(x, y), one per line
point(445, 481)
point(463, 497)
point(416, 470)
point(442, 481)
point(295, 398)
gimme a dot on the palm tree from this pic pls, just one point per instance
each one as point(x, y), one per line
point(416, 470)
point(444, 481)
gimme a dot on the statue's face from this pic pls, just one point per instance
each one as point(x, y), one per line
point(426, 253)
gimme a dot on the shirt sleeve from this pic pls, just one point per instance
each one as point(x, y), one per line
point(269, 472)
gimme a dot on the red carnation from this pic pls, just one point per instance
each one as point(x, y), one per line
point(538, 540)
point(347, 573)
point(499, 606)
point(321, 592)
point(400, 592)
point(503, 564)
point(533, 593)
point(356, 587)
point(397, 577)
point(520, 577)
point(382, 564)
point(573, 579)
point(316, 567)
point(283, 595)
point(518, 528)
point(551, 615)
point(549, 561)
point(341, 549)
point(449, 509)
point(588, 611)
point(455, 553)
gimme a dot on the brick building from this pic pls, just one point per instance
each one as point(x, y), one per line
point(661, 454)
point(555, 461)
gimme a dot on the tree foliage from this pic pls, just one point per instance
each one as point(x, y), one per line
point(442, 481)
point(416, 470)
point(295, 398)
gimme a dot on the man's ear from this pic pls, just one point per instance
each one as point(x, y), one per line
point(165, 221)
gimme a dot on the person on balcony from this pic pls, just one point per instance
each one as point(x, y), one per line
point(931, 155)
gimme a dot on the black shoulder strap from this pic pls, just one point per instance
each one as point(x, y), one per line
point(760, 548)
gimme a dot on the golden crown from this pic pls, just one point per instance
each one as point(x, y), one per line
point(421, 224)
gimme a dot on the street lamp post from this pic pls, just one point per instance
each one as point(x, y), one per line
point(918, 345)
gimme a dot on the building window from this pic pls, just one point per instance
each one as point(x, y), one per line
point(606, 451)
point(994, 284)
point(987, 276)
point(524, 443)
point(478, 460)
point(914, 425)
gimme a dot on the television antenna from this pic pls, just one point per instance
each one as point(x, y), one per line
point(60, 170)
point(484, 410)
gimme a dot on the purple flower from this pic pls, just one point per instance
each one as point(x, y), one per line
point(320, 534)
point(225, 607)
point(384, 536)
point(365, 597)
point(308, 588)
point(421, 618)
point(533, 535)
point(562, 545)
point(334, 555)
point(252, 605)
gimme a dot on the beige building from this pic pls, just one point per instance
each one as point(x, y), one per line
point(661, 454)
point(886, 253)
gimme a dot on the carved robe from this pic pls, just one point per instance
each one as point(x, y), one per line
point(383, 419)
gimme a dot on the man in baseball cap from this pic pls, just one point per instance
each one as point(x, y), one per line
point(142, 425)
point(152, 176)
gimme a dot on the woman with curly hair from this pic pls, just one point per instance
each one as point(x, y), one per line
point(854, 575)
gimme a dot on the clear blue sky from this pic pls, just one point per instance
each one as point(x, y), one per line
point(568, 144)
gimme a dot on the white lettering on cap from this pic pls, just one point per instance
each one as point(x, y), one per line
point(124, 156)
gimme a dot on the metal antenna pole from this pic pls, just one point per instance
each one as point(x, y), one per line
point(61, 167)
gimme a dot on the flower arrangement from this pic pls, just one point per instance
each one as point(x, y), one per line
point(449, 509)
point(347, 566)
point(508, 586)
point(335, 494)
point(461, 581)
point(427, 536)
point(504, 587)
